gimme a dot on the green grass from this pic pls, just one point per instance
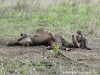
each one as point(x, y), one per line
point(64, 16)
point(1, 69)
point(19, 66)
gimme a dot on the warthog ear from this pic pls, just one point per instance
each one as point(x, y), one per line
point(79, 32)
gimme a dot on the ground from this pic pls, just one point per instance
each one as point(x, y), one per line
point(74, 62)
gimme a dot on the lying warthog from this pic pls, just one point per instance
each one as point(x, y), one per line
point(36, 39)
point(42, 37)
point(58, 39)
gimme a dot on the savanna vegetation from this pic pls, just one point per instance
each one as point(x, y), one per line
point(60, 16)
point(64, 17)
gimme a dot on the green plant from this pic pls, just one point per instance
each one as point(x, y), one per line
point(1, 69)
point(18, 65)
point(56, 48)
point(40, 65)
point(13, 65)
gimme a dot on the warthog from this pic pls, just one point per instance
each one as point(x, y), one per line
point(42, 37)
point(79, 41)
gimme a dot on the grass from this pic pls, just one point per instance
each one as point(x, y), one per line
point(26, 67)
point(1, 69)
point(64, 18)
point(68, 17)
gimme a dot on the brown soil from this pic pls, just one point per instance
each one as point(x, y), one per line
point(75, 62)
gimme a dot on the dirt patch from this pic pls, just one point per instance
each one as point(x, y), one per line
point(75, 62)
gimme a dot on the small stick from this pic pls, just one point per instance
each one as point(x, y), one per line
point(43, 52)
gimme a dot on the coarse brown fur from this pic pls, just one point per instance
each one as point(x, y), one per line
point(33, 40)
point(41, 37)
point(79, 41)
point(58, 39)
